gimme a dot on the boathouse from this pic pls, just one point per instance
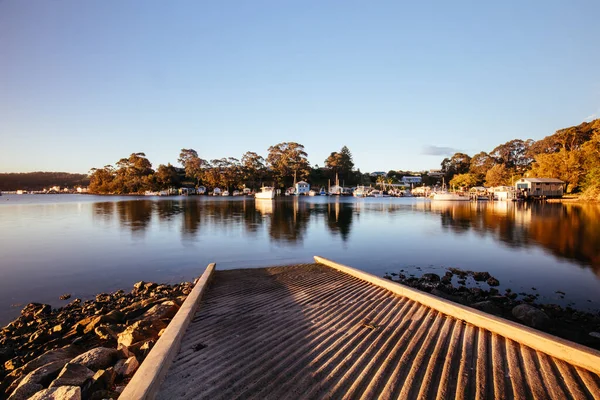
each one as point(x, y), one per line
point(302, 188)
point(540, 187)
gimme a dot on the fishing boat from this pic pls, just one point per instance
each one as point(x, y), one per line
point(322, 192)
point(360, 191)
point(266, 192)
point(313, 193)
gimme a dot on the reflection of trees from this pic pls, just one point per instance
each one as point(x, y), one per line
point(289, 221)
point(134, 215)
point(104, 211)
point(339, 218)
point(566, 230)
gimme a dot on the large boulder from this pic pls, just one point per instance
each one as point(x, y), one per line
point(41, 376)
point(98, 358)
point(488, 307)
point(140, 330)
point(36, 310)
point(102, 380)
point(127, 368)
point(59, 393)
point(25, 391)
point(72, 375)
point(166, 310)
point(531, 316)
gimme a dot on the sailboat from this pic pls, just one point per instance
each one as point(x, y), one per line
point(336, 189)
point(444, 195)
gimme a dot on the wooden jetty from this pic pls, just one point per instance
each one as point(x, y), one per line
point(325, 330)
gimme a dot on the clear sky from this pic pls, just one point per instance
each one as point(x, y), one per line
point(84, 83)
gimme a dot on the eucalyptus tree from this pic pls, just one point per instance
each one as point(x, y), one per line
point(194, 166)
point(287, 160)
point(254, 168)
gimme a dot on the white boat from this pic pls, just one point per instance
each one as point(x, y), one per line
point(313, 193)
point(150, 193)
point(376, 193)
point(201, 190)
point(216, 192)
point(360, 191)
point(236, 193)
point(266, 192)
point(447, 196)
point(225, 193)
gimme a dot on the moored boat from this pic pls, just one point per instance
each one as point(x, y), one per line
point(266, 193)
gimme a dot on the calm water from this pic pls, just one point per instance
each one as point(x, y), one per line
point(83, 245)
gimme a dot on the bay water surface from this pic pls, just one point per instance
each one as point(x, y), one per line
point(84, 245)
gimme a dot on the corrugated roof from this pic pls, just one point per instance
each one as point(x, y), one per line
point(546, 180)
point(312, 332)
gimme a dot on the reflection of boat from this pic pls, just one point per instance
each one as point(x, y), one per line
point(266, 192)
point(264, 207)
point(225, 193)
point(447, 196)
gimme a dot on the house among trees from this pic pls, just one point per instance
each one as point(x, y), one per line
point(540, 187)
point(302, 188)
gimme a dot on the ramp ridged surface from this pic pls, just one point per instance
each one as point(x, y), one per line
point(311, 332)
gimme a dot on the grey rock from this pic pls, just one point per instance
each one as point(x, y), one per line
point(127, 367)
point(72, 375)
point(25, 391)
point(430, 277)
point(493, 281)
point(531, 316)
point(40, 376)
point(487, 307)
point(481, 276)
point(98, 358)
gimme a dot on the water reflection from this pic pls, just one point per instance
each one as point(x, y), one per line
point(568, 231)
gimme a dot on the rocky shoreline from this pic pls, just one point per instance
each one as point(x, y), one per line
point(84, 350)
point(568, 323)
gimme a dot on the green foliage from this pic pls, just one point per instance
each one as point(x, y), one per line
point(463, 181)
point(341, 163)
point(498, 175)
point(287, 161)
point(459, 163)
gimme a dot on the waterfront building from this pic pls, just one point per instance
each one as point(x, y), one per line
point(540, 187)
point(302, 188)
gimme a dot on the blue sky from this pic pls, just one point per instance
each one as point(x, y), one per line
point(84, 83)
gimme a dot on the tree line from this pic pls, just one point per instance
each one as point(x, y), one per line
point(571, 155)
point(40, 180)
point(285, 163)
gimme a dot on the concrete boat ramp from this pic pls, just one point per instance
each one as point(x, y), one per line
point(324, 330)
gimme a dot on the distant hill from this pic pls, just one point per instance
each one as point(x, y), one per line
point(41, 180)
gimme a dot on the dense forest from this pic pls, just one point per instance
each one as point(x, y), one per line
point(571, 154)
point(284, 163)
point(41, 180)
